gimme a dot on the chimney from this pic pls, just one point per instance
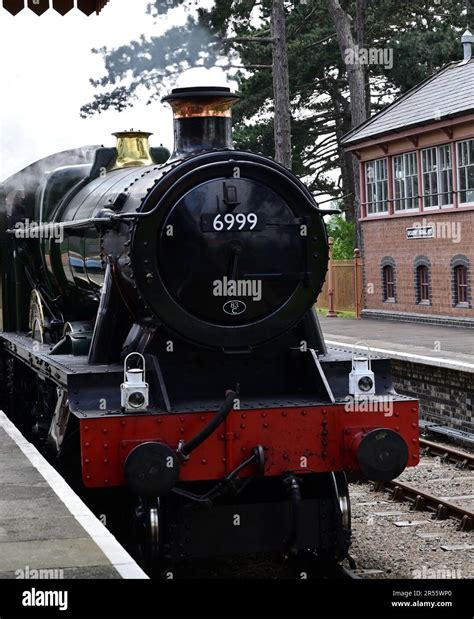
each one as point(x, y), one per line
point(467, 40)
point(202, 118)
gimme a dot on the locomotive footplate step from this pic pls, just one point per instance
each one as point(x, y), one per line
point(46, 531)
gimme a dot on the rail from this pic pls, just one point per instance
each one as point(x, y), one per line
point(422, 500)
point(448, 454)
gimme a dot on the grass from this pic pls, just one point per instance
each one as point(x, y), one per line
point(322, 311)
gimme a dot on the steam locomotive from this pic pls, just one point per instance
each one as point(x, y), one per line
point(159, 332)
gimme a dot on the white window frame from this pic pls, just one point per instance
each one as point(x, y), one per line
point(436, 150)
point(377, 187)
point(406, 180)
point(463, 167)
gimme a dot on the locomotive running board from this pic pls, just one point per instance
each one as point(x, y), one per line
point(88, 384)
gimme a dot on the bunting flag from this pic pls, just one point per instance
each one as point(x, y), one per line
point(61, 6)
point(14, 6)
point(87, 6)
point(38, 6)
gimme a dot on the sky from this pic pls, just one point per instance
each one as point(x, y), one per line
point(45, 67)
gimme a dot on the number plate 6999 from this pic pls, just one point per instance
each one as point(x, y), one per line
point(230, 222)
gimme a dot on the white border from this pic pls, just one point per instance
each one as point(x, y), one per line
point(439, 362)
point(118, 556)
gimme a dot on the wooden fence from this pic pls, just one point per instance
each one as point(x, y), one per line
point(343, 287)
point(342, 290)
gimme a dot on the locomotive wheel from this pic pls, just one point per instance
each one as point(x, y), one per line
point(37, 319)
point(146, 529)
point(341, 492)
point(341, 489)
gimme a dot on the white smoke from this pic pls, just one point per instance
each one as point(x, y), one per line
point(202, 76)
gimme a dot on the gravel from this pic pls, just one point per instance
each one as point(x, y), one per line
point(412, 551)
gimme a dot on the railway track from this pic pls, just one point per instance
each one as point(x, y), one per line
point(421, 500)
point(447, 454)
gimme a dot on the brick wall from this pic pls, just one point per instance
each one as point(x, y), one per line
point(385, 242)
point(446, 396)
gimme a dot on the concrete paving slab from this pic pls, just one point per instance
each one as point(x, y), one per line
point(51, 553)
point(5, 440)
point(33, 528)
point(24, 489)
point(43, 508)
point(6, 447)
point(99, 572)
point(13, 457)
point(91, 572)
point(18, 465)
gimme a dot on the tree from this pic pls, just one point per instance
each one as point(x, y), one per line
point(281, 89)
point(348, 41)
point(356, 77)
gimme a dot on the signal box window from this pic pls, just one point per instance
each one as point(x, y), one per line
point(423, 285)
point(460, 285)
point(466, 172)
point(388, 284)
point(405, 182)
point(376, 187)
point(437, 176)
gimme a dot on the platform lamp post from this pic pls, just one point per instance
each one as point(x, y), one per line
point(331, 313)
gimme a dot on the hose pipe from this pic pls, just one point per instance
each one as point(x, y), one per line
point(185, 449)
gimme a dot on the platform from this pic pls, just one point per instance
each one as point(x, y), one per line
point(46, 531)
point(445, 347)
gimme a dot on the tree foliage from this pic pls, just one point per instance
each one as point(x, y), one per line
point(343, 234)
